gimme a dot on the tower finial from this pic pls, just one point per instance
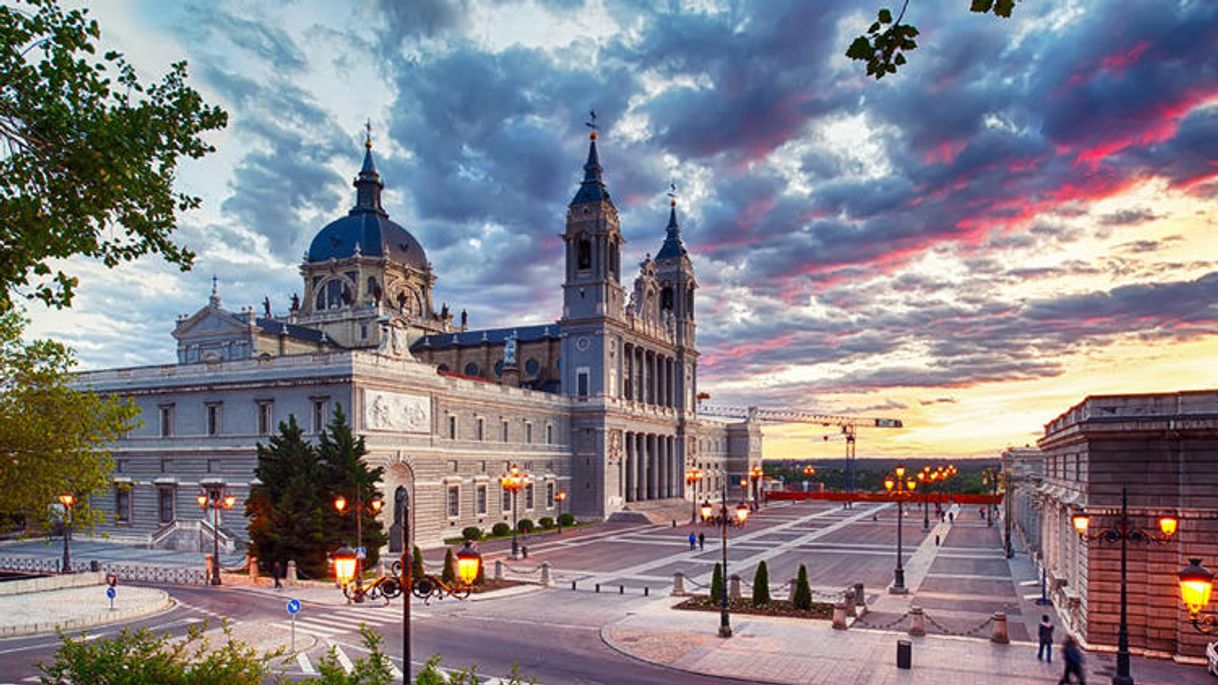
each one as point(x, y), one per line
point(368, 134)
point(215, 291)
point(672, 194)
point(591, 124)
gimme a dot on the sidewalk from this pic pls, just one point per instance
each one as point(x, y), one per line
point(776, 650)
point(31, 613)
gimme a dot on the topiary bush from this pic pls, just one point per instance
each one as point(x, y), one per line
point(545, 522)
point(500, 529)
point(471, 533)
point(525, 525)
point(450, 567)
point(416, 563)
point(761, 585)
point(717, 589)
point(566, 520)
point(803, 591)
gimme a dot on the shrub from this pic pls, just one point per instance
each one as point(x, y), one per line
point(525, 525)
point(450, 567)
point(500, 529)
point(717, 582)
point(545, 522)
point(761, 585)
point(471, 533)
point(803, 591)
point(566, 520)
point(416, 563)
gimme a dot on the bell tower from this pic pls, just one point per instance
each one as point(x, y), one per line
point(675, 274)
point(592, 288)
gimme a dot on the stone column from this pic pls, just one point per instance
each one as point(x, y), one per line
point(653, 472)
point(629, 469)
point(677, 467)
point(662, 460)
point(640, 469)
point(678, 584)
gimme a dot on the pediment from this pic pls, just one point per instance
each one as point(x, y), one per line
point(210, 322)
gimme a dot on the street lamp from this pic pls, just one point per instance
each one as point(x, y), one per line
point(345, 563)
point(213, 498)
point(514, 481)
point(809, 471)
point(991, 476)
point(1196, 584)
point(374, 507)
point(899, 488)
point(755, 474)
point(560, 496)
point(1123, 530)
point(67, 500)
point(692, 477)
point(723, 520)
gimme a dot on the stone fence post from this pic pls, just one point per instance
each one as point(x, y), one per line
point(499, 569)
point(291, 574)
point(917, 621)
point(1000, 629)
point(734, 587)
point(678, 584)
point(252, 567)
point(839, 616)
point(791, 585)
point(545, 574)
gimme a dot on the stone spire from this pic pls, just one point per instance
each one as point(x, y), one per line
point(368, 184)
point(214, 300)
point(672, 247)
point(593, 187)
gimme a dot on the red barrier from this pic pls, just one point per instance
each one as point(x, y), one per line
point(958, 498)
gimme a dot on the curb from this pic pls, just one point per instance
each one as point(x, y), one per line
point(105, 618)
point(603, 633)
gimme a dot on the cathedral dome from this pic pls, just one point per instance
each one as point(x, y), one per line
point(367, 229)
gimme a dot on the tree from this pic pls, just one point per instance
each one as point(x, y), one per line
point(88, 153)
point(886, 41)
point(53, 436)
point(449, 575)
point(761, 585)
point(717, 590)
point(416, 563)
point(286, 507)
point(803, 591)
point(347, 474)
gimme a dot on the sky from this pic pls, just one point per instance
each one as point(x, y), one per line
point(1022, 216)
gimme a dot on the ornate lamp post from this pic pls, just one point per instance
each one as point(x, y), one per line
point(514, 481)
point(899, 488)
point(68, 500)
point(723, 520)
point(345, 563)
point(1123, 530)
point(809, 471)
point(561, 496)
point(991, 476)
point(1196, 584)
point(755, 474)
point(692, 477)
point(374, 508)
point(213, 498)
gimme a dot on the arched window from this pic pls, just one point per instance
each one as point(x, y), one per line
point(583, 258)
point(499, 368)
point(532, 367)
point(471, 369)
point(666, 301)
point(329, 295)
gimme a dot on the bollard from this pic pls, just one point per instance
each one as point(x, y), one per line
point(499, 569)
point(208, 560)
point(678, 584)
point(252, 568)
point(621, 589)
point(936, 539)
point(839, 616)
point(291, 574)
point(849, 597)
point(734, 586)
point(904, 654)
point(791, 585)
point(524, 552)
point(598, 587)
point(646, 591)
point(573, 585)
point(1000, 629)
point(917, 621)
point(545, 574)
point(860, 599)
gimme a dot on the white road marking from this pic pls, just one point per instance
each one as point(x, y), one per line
point(343, 659)
point(306, 667)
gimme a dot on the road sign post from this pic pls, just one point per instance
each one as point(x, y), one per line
point(111, 592)
point(293, 609)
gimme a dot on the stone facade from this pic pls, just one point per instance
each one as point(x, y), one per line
point(1163, 450)
point(600, 404)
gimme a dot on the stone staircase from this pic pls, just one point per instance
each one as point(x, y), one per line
point(660, 512)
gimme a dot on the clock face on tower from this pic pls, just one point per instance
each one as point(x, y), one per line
point(582, 343)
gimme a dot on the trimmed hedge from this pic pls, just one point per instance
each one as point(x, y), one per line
point(500, 529)
point(471, 533)
point(545, 522)
point(525, 525)
point(566, 519)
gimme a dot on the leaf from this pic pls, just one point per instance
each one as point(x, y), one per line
point(1003, 8)
point(860, 49)
point(982, 6)
point(899, 59)
point(885, 16)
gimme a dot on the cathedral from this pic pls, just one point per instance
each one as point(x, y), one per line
point(600, 405)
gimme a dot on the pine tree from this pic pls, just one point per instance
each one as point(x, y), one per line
point(803, 591)
point(346, 474)
point(416, 563)
point(450, 567)
point(286, 508)
point(717, 583)
point(761, 585)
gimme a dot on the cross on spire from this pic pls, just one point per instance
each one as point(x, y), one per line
point(368, 134)
point(672, 193)
point(591, 124)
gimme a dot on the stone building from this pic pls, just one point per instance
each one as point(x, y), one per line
point(1163, 450)
point(600, 404)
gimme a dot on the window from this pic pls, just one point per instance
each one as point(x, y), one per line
point(166, 420)
point(266, 417)
point(213, 419)
point(528, 432)
point(120, 465)
point(581, 382)
point(471, 369)
point(481, 428)
point(363, 331)
point(454, 501)
point(319, 415)
point(550, 495)
point(452, 427)
point(532, 367)
point(213, 466)
point(164, 504)
point(504, 430)
point(549, 434)
point(528, 496)
point(480, 500)
point(584, 254)
point(122, 503)
point(166, 465)
point(507, 501)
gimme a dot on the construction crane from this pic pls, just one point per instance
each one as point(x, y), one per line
point(849, 424)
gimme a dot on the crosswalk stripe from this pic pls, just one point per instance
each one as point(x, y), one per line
point(395, 672)
point(306, 666)
point(343, 659)
point(314, 628)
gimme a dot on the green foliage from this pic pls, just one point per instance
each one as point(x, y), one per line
point(432, 675)
point(524, 525)
point(471, 533)
point(373, 669)
point(450, 567)
point(884, 45)
point(53, 437)
point(761, 585)
point(89, 152)
point(344, 472)
point(1001, 8)
point(803, 591)
point(717, 588)
point(416, 562)
point(566, 519)
point(545, 522)
point(500, 529)
point(142, 656)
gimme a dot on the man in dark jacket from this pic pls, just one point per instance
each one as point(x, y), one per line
point(1046, 639)
point(1074, 662)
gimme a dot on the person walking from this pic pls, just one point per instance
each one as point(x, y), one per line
point(693, 541)
point(1074, 662)
point(277, 573)
point(701, 541)
point(1045, 652)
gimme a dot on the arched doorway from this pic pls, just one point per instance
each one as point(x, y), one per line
point(399, 486)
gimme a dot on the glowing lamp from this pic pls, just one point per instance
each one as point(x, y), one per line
point(911, 484)
point(202, 500)
point(377, 504)
point(1081, 520)
point(468, 563)
point(742, 513)
point(67, 500)
point(561, 495)
point(340, 503)
point(1168, 525)
point(922, 477)
point(900, 471)
point(889, 484)
point(706, 509)
point(230, 501)
point(344, 564)
point(1196, 583)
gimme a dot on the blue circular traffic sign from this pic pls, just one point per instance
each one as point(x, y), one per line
point(110, 592)
point(293, 606)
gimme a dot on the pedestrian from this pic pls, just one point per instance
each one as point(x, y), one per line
point(1046, 639)
point(981, 513)
point(951, 516)
point(693, 541)
point(701, 541)
point(277, 573)
point(1074, 662)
